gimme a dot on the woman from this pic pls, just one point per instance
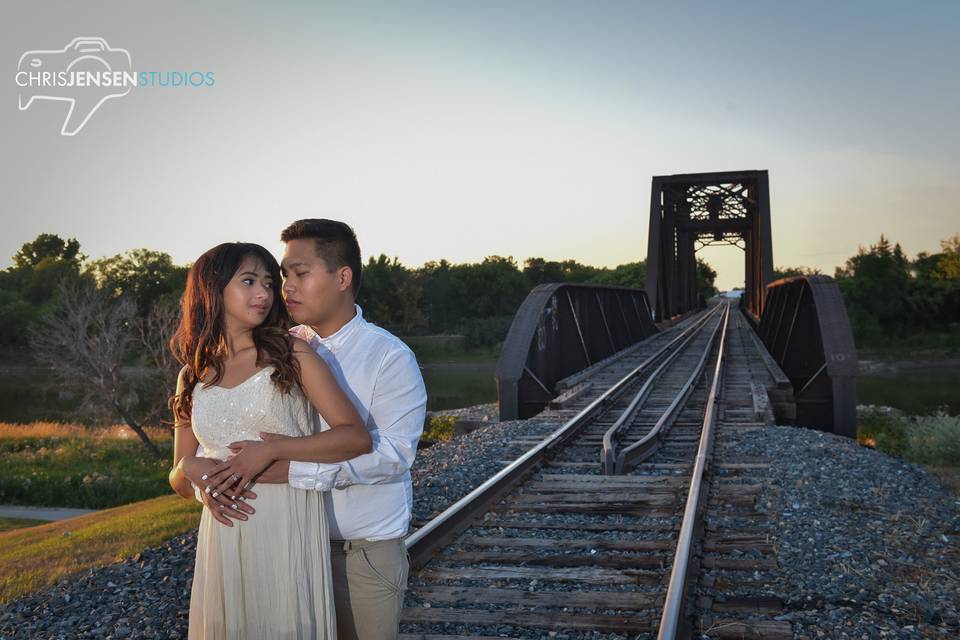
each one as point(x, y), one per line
point(268, 576)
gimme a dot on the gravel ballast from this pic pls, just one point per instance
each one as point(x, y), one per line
point(868, 544)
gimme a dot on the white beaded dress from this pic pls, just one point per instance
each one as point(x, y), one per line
point(268, 576)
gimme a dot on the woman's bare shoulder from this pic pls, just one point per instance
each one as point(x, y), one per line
point(301, 346)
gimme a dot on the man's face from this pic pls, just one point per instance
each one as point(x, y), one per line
point(312, 292)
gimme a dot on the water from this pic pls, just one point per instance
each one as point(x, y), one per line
point(915, 391)
point(27, 395)
point(456, 386)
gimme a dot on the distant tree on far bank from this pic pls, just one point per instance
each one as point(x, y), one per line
point(790, 272)
point(888, 296)
point(145, 276)
point(88, 342)
point(390, 293)
point(27, 287)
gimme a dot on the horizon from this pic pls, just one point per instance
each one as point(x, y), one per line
point(87, 259)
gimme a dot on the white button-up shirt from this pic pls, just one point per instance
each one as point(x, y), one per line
point(371, 496)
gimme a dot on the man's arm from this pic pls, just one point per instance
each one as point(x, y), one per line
point(397, 412)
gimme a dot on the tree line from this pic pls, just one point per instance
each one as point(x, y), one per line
point(891, 298)
point(477, 300)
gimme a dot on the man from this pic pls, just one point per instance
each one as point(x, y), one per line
point(370, 498)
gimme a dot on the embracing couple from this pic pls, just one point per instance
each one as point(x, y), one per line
point(298, 442)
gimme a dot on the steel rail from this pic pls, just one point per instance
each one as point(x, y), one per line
point(608, 455)
point(676, 591)
point(651, 441)
point(458, 516)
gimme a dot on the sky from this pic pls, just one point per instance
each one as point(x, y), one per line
point(460, 130)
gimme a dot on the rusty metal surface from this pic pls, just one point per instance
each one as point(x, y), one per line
point(671, 620)
point(559, 330)
point(650, 443)
point(425, 541)
point(806, 330)
point(689, 211)
point(616, 460)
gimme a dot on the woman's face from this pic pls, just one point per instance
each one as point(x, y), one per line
point(248, 297)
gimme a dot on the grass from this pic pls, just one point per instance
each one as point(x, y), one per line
point(448, 348)
point(933, 441)
point(8, 524)
point(37, 557)
point(66, 465)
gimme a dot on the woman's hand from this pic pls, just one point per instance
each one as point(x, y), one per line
point(197, 471)
point(237, 472)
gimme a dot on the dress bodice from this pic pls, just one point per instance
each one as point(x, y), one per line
point(224, 415)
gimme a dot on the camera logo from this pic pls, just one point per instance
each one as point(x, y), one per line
point(86, 73)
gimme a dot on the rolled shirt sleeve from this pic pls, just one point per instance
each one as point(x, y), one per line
point(397, 411)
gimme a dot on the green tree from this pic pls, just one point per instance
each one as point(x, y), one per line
point(540, 271)
point(494, 287)
point(790, 272)
point(145, 276)
point(28, 286)
point(442, 299)
point(574, 271)
point(16, 316)
point(876, 285)
point(706, 277)
point(391, 295)
point(631, 274)
point(47, 246)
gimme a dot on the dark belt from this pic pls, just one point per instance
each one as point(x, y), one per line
point(350, 545)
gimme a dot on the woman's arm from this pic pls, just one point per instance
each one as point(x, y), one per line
point(184, 447)
point(188, 470)
point(347, 437)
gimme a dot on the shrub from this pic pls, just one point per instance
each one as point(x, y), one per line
point(439, 427)
point(931, 440)
point(935, 440)
point(485, 332)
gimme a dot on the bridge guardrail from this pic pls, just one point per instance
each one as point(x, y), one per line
point(560, 329)
point(806, 330)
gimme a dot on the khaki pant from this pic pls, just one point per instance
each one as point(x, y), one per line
point(369, 580)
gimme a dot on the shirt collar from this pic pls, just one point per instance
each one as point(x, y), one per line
point(337, 338)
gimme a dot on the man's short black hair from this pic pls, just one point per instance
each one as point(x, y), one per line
point(335, 241)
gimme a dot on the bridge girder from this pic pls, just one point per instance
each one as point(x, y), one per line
point(687, 210)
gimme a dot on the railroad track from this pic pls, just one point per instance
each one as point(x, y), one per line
point(610, 524)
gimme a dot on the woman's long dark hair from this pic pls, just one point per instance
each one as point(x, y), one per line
point(199, 343)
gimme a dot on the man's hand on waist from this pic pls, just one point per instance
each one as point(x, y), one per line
point(277, 473)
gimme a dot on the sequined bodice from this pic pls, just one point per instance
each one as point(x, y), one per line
point(221, 415)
